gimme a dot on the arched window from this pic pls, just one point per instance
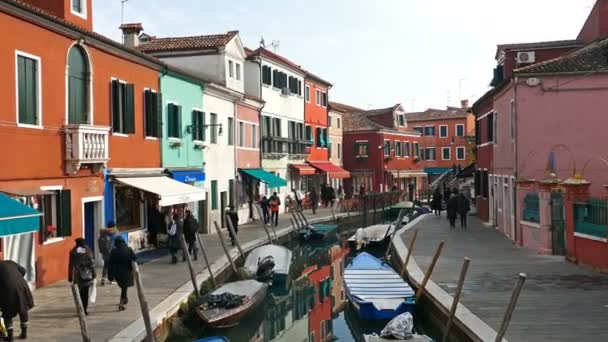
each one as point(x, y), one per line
point(78, 86)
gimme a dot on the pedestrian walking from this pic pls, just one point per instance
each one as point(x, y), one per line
point(331, 192)
point(233, 216)
point(175, 231)
point(81, 271)
point(464, 206)
point(105, 242)
point(437, 202)
point(154, 224)
point(265, 205)
point(15, 297)
point(362, 190)
point(190, 230)
point(452, 209)
point(314, 200)
point(447, 193)
point(121, 269)
point(274, 203)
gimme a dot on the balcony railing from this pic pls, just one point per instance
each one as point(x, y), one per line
point(86, 144)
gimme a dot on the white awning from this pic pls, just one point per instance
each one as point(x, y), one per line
point(170, 191)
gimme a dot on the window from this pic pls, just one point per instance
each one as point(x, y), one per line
point(213, 128)
point(307, 94)
point(361, 149)
point(79, 8)
point(418, 129)
point(326, 141)
point(276, 127)
point(401, 120)
point(266, 127)
point(430, 153)
point(318, 97)
point(214, 204)
point(55, 221)
point(231, 69)
point(460, 130)
point(123, 116)
point(238, 71)
point(490, 127)
point(254, 136)
point(387, 148)
point(266, 75)
point(429, 131)
point(295, 85)
point(416, 150)
point(406, 149)
point(319, 136)
point(241, 134)
point(512, 119)
point(339, 151)
point(337, 122)
point(78, 86)
point(460, 153)
point(198, 125)
point(152, 113)
point(28, 96)
point(446, 153)
point(329, 120)
point(279, 79)
point(174, 118)
point(230, 130)
point(309, 133)
point(128, 208)
point(324, 99)
point(398, 149)
point(443, 131)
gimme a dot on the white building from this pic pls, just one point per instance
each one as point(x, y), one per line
point(280, 83)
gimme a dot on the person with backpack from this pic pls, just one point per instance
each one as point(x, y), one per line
point(190, 231)
point(121, 269)
point(464, 206)
point(175, 230)
point(274, 202)
point(106, 243)
point(81, 271)
point(15, 297)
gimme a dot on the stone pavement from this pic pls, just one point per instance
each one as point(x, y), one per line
point(559, 302)
point(54, 317)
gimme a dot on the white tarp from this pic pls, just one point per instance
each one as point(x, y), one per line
point(171, 192)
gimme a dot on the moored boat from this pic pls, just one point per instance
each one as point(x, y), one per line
point(415, 338)
point(249, 294)
point(318, 231)
point(281, 256)
point(213, 339)
point(375, 290)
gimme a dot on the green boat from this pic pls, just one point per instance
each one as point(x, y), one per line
point(317, 231)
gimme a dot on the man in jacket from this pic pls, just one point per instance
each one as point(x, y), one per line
point(190, 231)
point(464, 206)
point(106, 243)
point(274, 203)
point(175, 230)
point(15, 297)
point(452, 208)
point(233, 216)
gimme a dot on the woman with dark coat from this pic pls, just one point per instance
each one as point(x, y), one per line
point(16, 297)
point(452, 208)
point(436, 203)
point(81, 270)
point(121, 269)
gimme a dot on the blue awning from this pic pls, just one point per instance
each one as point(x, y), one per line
point(17, 218)
point(188, 176)
point(437, 170)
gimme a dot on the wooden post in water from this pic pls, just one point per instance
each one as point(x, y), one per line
point(233, 232)
point(295, 218)
point(410, 249)
point(221, 236)
point(509, 313)
point(200, 243)
point(182, 241)
point(463, 274)
point(301, 212)
point(259, 209)
point(143, 304)
point(429, 271)
point(293, 225)
point(333, 214)
point(395, 229)
point(84, 331)
point(364, 211)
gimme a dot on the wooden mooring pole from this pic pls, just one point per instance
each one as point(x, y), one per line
point(143, 303)
point(429, 271)
point(395, 229)
point(233, 233)
point(463, 274)
point(221, 236)
point(182, 241)
point(410, 249)
point(84, 331)
point(207, 264)
point(509, 313)
point(293, 225)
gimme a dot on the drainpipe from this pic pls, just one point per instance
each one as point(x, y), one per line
point(515, 156)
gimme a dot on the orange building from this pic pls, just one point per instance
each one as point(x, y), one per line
point(72, 104)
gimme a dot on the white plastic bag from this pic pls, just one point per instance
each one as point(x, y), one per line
point(93, 292)
point(399, 327)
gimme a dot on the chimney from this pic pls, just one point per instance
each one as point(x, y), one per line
point(130, 34)
point(464, 104)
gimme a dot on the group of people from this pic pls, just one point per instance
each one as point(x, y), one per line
point(270, 209)
point(328, 196)
point(457, 204)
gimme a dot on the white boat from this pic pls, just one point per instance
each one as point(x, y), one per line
point(415, 338)
point(376, 234)
point(282, 257)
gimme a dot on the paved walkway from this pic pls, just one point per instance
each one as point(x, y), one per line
point(54, 317)
point(560, 301)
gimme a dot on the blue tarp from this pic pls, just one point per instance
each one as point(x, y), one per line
point(17, 218)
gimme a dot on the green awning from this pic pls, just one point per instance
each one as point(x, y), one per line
point(271, 180)
point(17, 218)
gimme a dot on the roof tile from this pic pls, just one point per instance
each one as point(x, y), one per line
point(212, 41)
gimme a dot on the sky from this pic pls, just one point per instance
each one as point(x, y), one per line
point(420, 53)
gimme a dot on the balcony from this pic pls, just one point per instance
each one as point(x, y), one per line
point(274, 147)
point(86, 145)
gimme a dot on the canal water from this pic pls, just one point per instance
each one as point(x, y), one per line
point(313, 307)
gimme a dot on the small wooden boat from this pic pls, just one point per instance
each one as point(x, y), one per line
point(317, 231)
point(375, 290)
point(218, 317)
point(281, 256)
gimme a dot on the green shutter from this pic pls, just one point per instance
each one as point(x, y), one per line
point(115, 90)
point(158, 114)
point(28, 94)
point(77, 86)
point(171, 120)
point(64, 213)
point(230, 131)
point(203, 128)
point(214, 195)
point(194, 125)
point(130, 109)
point(149, 113)
point(178, 126)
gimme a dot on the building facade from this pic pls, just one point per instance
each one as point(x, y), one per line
point(335, 122)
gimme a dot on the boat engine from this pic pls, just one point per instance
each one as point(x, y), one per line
point(265, 269)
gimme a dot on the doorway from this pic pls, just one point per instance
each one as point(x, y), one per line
point(92, 222)
point(223, 204)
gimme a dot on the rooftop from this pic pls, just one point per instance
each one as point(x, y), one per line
point(539, 45)
point(437, 114)
point(202, 42)
point(341, 107)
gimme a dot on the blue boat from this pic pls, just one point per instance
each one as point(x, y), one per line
point(375, 290)
point(213, 339)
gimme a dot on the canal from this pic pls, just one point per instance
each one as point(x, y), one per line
point(313, 307)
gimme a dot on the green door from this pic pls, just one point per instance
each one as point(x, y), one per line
point(557, 223)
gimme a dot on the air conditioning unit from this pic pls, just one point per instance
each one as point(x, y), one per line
point(285, 91)
point(526, 57)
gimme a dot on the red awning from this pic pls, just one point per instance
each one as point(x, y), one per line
point(333, 170)
point(303, 169)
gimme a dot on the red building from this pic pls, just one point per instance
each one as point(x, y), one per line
point(319, 317)
point(381, 151)
point(60, 127)
point(316, 106)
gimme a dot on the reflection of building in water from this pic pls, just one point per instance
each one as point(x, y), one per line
point(319, 322)
point(337, 256)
